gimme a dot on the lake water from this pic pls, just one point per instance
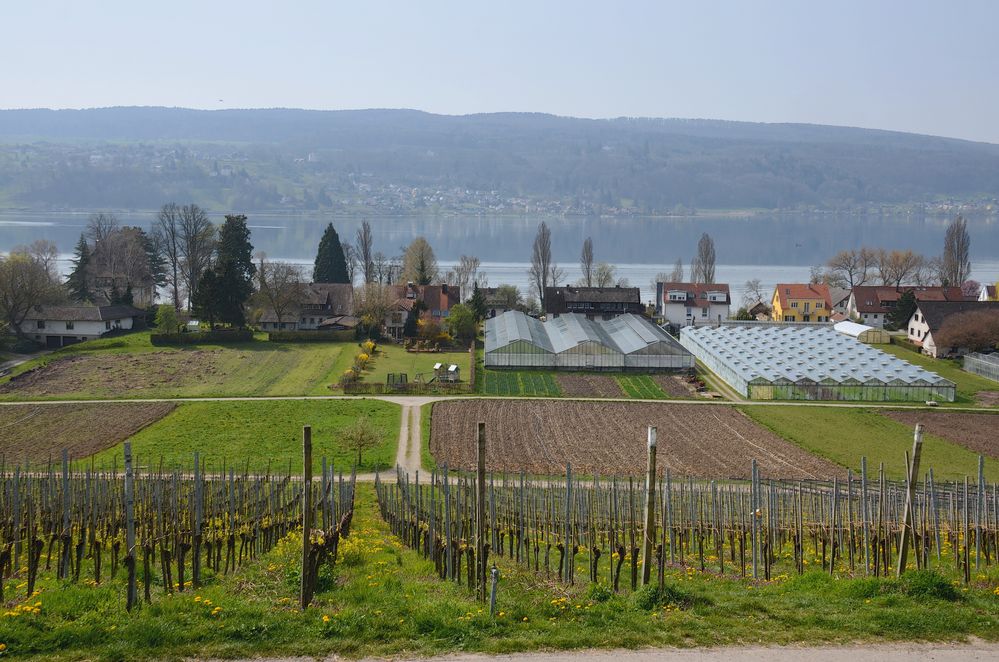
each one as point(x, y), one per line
point(772, 247)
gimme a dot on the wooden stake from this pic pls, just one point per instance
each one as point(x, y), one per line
point(306, 587)
point(908, 530)
point(650, 508)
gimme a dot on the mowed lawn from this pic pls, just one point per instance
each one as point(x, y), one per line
point(968, 384)
point(391, 358)
point(843, 435)
point(131, 367)
point(263, 433)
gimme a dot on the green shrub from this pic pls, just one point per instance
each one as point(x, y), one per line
point(311, 336)
point(654, 596)
point(927, 584)
point(599, 593)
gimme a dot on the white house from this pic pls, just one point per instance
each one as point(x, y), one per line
point(57, 326)
point(688, 304)
point(930, 317)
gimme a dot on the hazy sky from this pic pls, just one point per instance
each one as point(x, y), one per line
point(909, 65)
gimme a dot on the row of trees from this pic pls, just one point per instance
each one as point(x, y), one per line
point(869, 266)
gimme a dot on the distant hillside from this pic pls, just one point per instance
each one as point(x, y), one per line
point(397, 161)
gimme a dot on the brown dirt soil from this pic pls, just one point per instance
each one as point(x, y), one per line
point(40, 432)
point(988, 398)
point(976, 432)
point(113, 374)
point(610, 438)
point(589, 386)
point(674, 386)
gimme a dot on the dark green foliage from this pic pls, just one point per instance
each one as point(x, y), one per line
point(899, 316)
point(122, 298)
point(206, 297)
point(743, 314)
point(157, 261)
point(311, 336)
point(410, 328)
point(77, 280)
point(599, 592)
point(331, 265)
point(461, 323)
point(478, 303)
point(927, 584)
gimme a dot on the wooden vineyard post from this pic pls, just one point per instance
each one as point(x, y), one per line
point(910, 496)
point(753, 508)
point(650, 508)
point(863, 514)
point(306, 592)
point(132, 592)
point(480, 511)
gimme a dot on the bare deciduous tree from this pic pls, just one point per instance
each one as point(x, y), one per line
point(752, 293)
point(586, 262)
point(25, 282)
point(167, 232)
point(852, 267)
point(419, 264)
point(543, 272)
point(281, 285)
point(676, 276)
point(372, 303)
point(465, 275)
point(956, 261)
point(197, 245)
point(702, 267)
point(350, 261)
point(897, 267)
point(364, 249)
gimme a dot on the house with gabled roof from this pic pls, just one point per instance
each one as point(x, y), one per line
point(317, 303)
point(801, 302)
point(871, 304)
point(930, 316)
point(437, 301)
point(594, 302)
point(688, 304)
point(58, 326)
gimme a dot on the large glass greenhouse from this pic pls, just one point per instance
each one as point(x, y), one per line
point(572, 342)
point(986, 365)
point(777, 362)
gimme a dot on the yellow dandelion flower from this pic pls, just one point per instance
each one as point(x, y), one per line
point(326, 618)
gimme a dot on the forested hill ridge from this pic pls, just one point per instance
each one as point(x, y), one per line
point(400, 161)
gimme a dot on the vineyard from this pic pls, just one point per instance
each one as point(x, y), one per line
point(606, 438)
point(619, 532)
point(166, 531)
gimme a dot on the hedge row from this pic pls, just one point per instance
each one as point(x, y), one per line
point(312, 336)
point(216, 336)
point(902, 342)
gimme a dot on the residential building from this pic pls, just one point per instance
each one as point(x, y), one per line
point(839, 297)
point(594, 302)
point(437, 302)
point(871, 304)
point(930, 317)
point(318, 302)
point(988, 293)
point(801, 302)
point(495, 304)
point(58, 326)
point(687, 304)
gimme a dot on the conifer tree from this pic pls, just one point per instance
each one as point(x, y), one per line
point(331, 264)
point(77, 280)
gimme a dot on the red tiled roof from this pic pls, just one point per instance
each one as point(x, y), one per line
point(872, 298)
point(788, 291)
point(436, 297)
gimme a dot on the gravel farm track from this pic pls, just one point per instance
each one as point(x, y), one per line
point(608, 438)
point(34, 431)
point(976, 432)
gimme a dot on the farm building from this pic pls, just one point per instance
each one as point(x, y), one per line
point(809, 363)
point(865, 334)
point(573, 342)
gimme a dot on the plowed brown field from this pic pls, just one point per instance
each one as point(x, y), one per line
point(978, 433)
point(603, 438)
point(583, 386)
point(40, 432)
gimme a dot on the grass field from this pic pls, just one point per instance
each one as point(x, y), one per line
point(263, 433)
point(390, 358)
point(843, 435)
point(968, 384)
point(385, 600)
point(641, 386)
point(130, 366)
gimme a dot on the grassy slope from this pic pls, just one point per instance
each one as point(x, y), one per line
point(261, 432)
point(844, 435)
point(968, 384)
point(256, 368)
point(385, 600)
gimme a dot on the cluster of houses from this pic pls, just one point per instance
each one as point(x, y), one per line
point(330, 306)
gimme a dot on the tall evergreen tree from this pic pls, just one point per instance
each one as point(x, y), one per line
point(331, 263)
point(234, 269)
point(205, 301)
point(77, 280)
point(898, 317)
point(477, 303)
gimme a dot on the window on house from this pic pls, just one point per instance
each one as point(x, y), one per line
point(704, 312)
point(794, 304)
point(107, 325)
point(40, 324)
point(806, 306)
point(69, 326)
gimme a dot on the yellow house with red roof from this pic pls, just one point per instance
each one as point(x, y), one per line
point(796, 302)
